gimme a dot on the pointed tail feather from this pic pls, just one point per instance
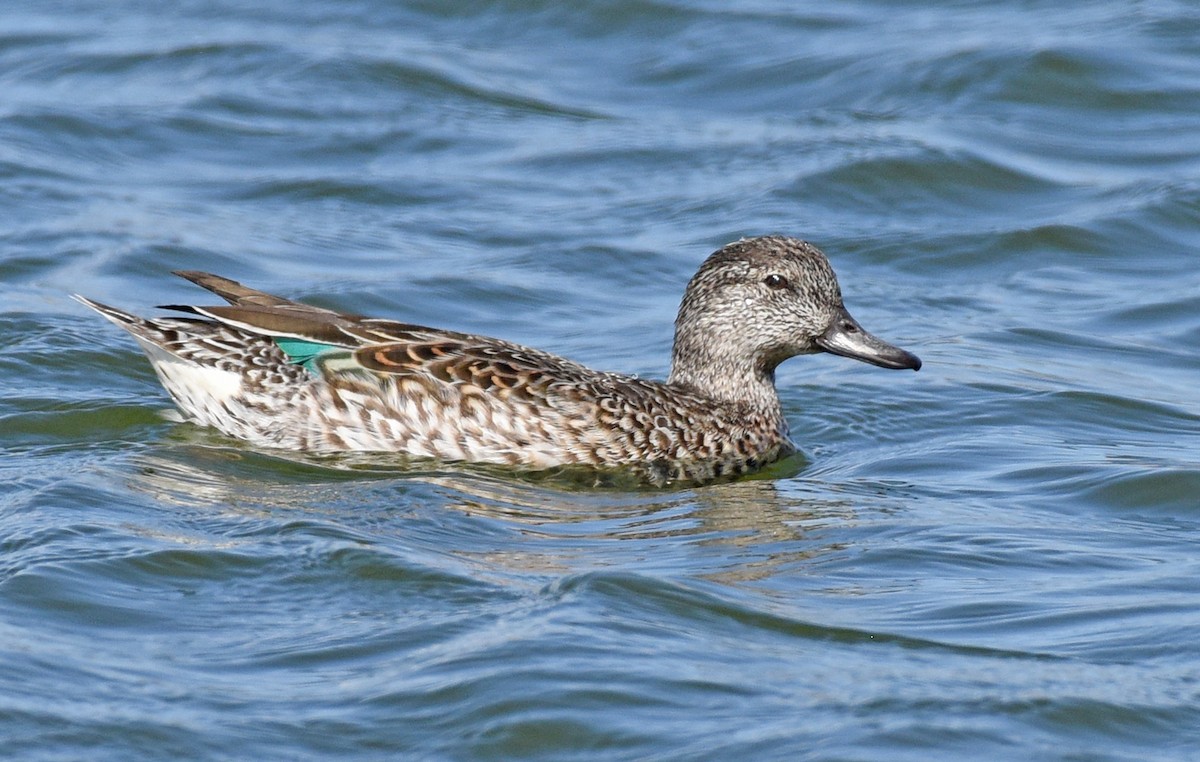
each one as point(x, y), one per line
point(126, 320)
point(257, 313)
point(159, 332)
point(152, 338)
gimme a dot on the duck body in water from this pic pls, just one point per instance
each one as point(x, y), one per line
point(282, 374)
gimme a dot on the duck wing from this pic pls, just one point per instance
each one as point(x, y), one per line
point(325, 341)
point(489, 365)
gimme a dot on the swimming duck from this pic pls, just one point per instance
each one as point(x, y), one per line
point(282, 374)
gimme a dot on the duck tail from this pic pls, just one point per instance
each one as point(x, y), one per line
point(126, 320)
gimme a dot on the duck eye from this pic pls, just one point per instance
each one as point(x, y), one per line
point(776, 281)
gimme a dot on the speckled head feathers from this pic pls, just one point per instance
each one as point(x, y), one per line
point(756, 302)
point(753, 304)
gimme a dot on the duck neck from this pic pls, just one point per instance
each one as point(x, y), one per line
point(702, 367)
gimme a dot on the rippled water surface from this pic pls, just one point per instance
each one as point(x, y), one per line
point(994, 558)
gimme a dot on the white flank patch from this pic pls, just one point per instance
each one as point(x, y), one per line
point(202, 386)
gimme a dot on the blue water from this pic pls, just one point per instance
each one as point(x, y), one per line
point(994, 558)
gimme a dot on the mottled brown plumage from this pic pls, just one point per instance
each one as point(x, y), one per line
point(283, 374)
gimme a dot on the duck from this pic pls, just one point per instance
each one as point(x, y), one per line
point(281, 374)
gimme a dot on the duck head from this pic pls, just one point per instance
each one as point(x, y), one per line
point(756, 302)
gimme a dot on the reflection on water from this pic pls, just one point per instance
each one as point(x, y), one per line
point(531, 525)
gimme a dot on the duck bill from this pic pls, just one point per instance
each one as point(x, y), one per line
point(847, 338)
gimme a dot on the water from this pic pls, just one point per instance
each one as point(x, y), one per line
point(993, 558)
